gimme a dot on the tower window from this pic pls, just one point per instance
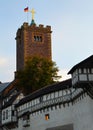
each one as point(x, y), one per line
point(47, 117)
point(38, 38)
point(34, 38)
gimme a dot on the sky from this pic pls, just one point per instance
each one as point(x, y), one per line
point(72, 31)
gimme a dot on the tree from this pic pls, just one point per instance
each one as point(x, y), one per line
point(38, 72)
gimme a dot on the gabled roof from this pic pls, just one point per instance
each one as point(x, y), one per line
point(45, 90)
point(3, 86)
point(12, 99)
point(7, 90)
point(87, 63)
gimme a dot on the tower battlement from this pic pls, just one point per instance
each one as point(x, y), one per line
point(34, 26)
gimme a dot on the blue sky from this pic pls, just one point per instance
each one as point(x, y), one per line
point(71, 22)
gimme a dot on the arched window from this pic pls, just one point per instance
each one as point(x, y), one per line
point(34, 38)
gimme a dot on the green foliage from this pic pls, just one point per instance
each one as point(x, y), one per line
point(38, 72)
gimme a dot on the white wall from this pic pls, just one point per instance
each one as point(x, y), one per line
point(83, 114)
point(80, 114)
point(9, 115)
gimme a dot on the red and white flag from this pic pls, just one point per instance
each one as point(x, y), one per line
point(26, 9)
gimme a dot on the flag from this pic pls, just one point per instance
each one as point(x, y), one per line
point(26, 9)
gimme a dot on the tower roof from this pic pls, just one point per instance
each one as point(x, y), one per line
point(32, 22)
point(87, 63)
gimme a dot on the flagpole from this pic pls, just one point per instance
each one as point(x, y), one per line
point(27, 10)
point(27, 17)
point(28, 3)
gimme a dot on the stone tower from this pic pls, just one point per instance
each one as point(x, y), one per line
point(32, 40)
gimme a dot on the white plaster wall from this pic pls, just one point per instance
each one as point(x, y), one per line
point(83, 114)
point(83, 77)
point(80, 114)
point(90, 76)
point(9, 115)
point(57, 118)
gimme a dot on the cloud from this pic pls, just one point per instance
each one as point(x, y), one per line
point(63, 73)
point(7, 68)
point(3, 62)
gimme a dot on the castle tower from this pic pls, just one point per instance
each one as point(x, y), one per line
point(32, 40)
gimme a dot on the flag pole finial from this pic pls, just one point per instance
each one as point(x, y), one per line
point(33, 13)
